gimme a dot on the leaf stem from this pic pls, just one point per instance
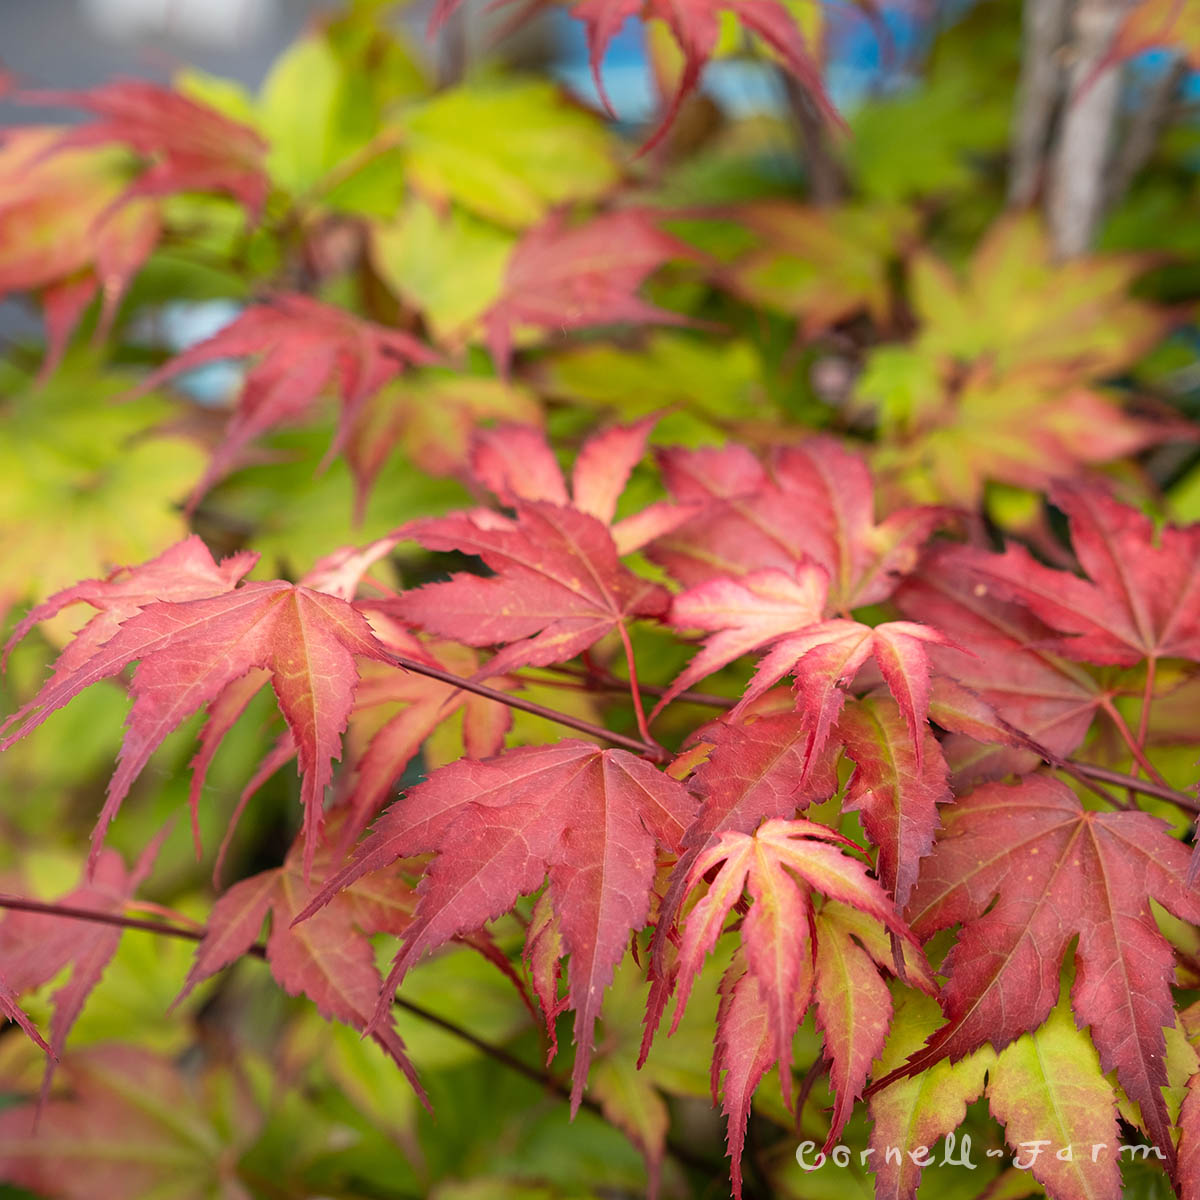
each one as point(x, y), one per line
point(639, 711)
point(1139, 755)
point(651, 750)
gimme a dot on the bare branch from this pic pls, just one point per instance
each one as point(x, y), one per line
point(1044, 25)
point(1082, 148)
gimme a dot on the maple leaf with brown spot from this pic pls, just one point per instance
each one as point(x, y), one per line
point(189, 651)
point(304, 349)
point(188, 146)
point(561, 277)
point(1026, 869)
point(811, 503)
point(590, 819)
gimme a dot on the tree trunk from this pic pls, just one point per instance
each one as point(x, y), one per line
point(1081, 153)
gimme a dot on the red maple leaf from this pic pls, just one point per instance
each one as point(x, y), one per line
point(304, 349)
point(515, 463)
point(896, 791)
point(754, 771)
point(189, 147)
point(559, 585)
point(328, 958)
point(588, 818)
point(1141, 597)
point(1026, 869)
point(190, 650)
point(810, 503)
point(695, 25)
point(561, 278)
point(781, 866)
point(781, 611)
point(35, 947)
point(1010, 668)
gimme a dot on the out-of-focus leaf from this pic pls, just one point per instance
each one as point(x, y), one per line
point(506, 152)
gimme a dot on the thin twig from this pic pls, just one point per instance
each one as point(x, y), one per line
point(601, 681)
point(1119, 779)
point(655, 753)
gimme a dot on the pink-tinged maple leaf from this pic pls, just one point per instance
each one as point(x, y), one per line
point(515, 462)
point(189, 147)
point(189, 651)
point(780, 611)
point(184, 571)
point(744, 614)
point(781, 865)
point(304, 349)
point(808, 503)
point(10, 1010)
point(590, 819)
point(744, 1052)
point(896, 793)
point(558, 587)
point(35, 947)
point(1141, 597)
point(695, 25)
point(130, 1125)
point(1026, 869)
point(753, 772)
point(561, 277)
point(328, 957)
point(60, 233)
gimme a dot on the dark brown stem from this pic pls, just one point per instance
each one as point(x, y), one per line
point(497, 1053)
point(826, 181)
point(657, 754)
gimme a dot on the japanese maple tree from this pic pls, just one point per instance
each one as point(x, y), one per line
point(681, 672)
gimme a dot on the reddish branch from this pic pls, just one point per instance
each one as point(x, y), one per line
point(258, 950)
